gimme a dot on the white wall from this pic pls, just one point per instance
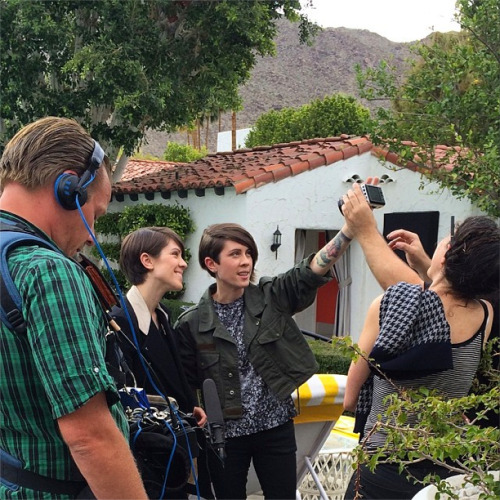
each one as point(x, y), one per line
point(309, 201)
point(225, 139)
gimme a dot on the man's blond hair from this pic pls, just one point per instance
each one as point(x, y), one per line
point(43, 150)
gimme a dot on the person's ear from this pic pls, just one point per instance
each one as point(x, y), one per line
point(146, 260)
point(210, 264)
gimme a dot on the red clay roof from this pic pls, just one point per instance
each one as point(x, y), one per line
point(137, 169)
point(242, 169)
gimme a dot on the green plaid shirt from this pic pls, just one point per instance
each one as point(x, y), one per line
point(55, 368)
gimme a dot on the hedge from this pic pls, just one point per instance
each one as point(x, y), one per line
point(328, 359)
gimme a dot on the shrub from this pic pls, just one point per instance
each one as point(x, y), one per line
point(443, 436)
point(329, 359)
point(334, 115)
point(183, 152)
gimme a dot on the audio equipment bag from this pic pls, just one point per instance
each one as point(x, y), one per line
point(163, 447)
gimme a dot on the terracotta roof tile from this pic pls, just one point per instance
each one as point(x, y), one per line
point(349, 152)
point(263, 178)
point(290, 161)
point(316, 161)
point(444, 157)
point(333, 156)
point(355, 141)
point(281, 173)
point(364, 147)
point(298, 168)
point(393, 158)
point(141, 168)
point(242, 169)
point(244, 185)
point(270, 168)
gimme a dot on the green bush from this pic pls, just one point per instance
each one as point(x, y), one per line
point(334, 115)
point(120, 278)
point(328, 358)
point(183, 152)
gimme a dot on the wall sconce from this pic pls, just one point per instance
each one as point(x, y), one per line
point(276, 241)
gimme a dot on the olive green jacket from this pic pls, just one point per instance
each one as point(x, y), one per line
point(275, 345)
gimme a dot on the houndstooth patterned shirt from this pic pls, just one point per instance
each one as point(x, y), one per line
point(414, 340)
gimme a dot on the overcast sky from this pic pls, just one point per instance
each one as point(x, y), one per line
point(397, 20)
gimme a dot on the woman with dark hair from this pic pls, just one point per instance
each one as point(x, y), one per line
point(424, 335)
point(242, 335)
point(152, 260)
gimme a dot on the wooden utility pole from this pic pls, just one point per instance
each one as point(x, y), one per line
point(198, 134)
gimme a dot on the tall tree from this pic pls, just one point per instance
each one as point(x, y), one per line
point(122, 66)
point(450, 97)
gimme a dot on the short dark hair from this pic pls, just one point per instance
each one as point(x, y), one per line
point(214, 238)
point(472, 261)
point(150, 240)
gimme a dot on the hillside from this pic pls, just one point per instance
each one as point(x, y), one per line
point(300, 73)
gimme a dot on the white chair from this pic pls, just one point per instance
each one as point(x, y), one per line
point(458, 484)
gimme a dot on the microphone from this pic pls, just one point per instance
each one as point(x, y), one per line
point(215, 419)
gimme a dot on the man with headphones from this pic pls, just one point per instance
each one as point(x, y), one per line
point(63, 430)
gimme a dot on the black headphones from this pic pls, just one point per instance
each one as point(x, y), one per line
point(69, 187)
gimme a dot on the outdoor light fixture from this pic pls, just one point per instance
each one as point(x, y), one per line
point(276, 241)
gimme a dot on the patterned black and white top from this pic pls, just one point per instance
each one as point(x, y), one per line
point(262, 410)
point(414, 349)
point(451, 383)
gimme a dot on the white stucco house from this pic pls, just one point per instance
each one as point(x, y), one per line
point(295, 187)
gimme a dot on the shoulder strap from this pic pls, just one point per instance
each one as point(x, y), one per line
point(484, 323)
point(14, 235)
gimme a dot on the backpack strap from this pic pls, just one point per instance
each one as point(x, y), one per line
point(14, 476)
point(12, 236)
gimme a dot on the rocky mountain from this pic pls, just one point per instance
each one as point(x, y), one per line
point(300, 73)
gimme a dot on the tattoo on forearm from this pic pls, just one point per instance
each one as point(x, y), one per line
point(333, 250)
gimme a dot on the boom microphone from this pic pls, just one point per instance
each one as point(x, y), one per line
point(214, 417)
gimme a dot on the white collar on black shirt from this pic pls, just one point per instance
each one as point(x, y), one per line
point(141, 310)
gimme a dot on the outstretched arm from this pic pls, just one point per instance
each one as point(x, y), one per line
point(385, 265)
point(331, 252)
point(336, 247)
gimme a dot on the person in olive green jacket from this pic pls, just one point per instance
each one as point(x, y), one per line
point(242, 335)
